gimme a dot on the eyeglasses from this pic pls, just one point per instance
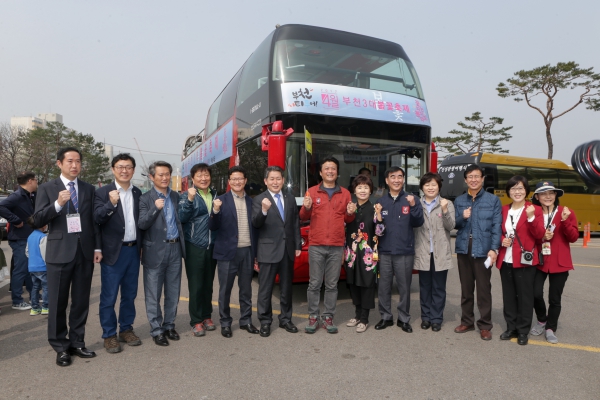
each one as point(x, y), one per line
point(474, 177)
point(123, 167)
point(237, 179)
point(517, 189)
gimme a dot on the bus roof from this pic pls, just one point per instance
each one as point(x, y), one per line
point(503, 159)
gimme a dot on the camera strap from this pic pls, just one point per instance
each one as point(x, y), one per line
point(517, 236)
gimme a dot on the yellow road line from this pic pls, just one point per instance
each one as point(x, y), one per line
point(237, 306)
point(586, 265)
point(562, 345)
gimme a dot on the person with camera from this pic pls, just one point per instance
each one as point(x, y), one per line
point(561, 230)
point(522, 226)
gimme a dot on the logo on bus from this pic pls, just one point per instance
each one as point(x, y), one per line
point(451, 175)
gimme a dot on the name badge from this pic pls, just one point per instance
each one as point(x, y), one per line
point(73, 223)
point(546, 248)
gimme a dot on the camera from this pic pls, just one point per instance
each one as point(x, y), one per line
point(527, 258)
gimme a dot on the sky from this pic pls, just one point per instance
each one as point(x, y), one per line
point(150, 70)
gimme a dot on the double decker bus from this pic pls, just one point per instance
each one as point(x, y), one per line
point(579, 196)
point(358, 96)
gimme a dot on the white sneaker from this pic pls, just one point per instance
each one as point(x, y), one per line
point(538, 328)
point(360, 328)
point(551, 337)
point(353, 322)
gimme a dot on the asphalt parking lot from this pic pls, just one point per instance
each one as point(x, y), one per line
point(375, 364)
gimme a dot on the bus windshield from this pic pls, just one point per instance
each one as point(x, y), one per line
point(335, 64)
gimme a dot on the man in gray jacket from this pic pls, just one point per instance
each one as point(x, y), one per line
point(478, 220)
point(162, 250)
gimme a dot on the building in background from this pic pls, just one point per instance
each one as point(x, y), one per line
point(41, 121)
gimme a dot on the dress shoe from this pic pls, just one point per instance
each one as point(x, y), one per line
point(508, 334)
point(81, 352)
point(226, 331)
point(522, 339)
point(265, 330)
point(405, 326)
point(172, 334)
point(425, 325)
point(485, 334)
point(436, 327)
point(384, 323)
point(63, 359)
point(161, 340)
point(464, 328)
point(289, 326)
point(249, 328)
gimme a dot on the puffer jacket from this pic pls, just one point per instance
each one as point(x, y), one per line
point(440, 225)
point(484, 225)
point(194, 218)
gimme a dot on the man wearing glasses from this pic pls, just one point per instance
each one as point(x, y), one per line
point(235, 249)
point(116, 211)
point(478, 221)
point(401, 212)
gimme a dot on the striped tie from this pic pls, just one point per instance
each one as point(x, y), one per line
point(73, 195)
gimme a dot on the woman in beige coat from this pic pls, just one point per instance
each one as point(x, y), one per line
point(433, 257)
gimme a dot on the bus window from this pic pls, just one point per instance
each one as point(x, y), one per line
point(212, 120)
point(572, 182)
point(535, 175)
point(256, 70)
point(228, 100)
point(505, 172)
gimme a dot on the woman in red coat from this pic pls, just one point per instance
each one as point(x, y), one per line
point(522, 227)
point(561, 229)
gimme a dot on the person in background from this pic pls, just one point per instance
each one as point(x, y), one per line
point(478, 219)
point(16, 209)
point(36, 253)
point(194, 211)
point(561, 229)
point(360, 255)
point(522, 226)
point(433, 254)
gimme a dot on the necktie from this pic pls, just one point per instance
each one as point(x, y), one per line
point(73, 195)
point(279, 205)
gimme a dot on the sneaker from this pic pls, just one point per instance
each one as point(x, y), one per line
point(538, 328)
point(209, 325)
point(21, 306)
point(198, 330)
point(35, 311)
point(353, 322)
point(360, 328)
point(130, 338)
point(111, 344)
point(328, 324)
point(45, 311)
point(313, 324)
point(551, 337)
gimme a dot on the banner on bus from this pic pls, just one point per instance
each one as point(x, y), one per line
point(216, 148)
point(319, 98)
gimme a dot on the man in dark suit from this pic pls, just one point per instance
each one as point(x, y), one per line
point(116, 211)
point(275, 215)
point(235, 249)
point(17, 208)
point(162, 249)
point(66, 205)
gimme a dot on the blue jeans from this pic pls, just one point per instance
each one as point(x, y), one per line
point(123, 274)
point(324, 265)
point(20, 273)
point(39, 281)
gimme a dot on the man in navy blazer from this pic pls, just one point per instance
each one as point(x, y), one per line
point(116, 208)
point(17, 208)
point(235, 249)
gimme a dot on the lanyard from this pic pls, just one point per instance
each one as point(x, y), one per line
point(551, 217)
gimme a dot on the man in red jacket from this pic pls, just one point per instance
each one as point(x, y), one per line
point(328, 206)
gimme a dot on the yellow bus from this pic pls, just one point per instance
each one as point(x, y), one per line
point(582, 198)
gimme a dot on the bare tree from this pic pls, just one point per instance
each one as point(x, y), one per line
point(14, 155)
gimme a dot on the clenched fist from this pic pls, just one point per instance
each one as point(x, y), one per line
point(565, 213)
point(351, 208)
point(411, 200)
point(159, 203)
point(530, 210)
point(444, 204)
point(113, 196)
point(63, 197)
point(307, 203)
point(266, 204)
point(378, 209)
point(217, 205)
point(467, 213)
point(191, 193)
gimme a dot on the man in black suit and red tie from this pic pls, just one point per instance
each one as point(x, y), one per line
point(116, 209)
point(275, 215)
point(66, 205)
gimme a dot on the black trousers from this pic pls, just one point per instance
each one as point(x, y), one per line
point(557, 284)
point(363, 299)
point(473, 271)
point(517, 293)
point(74, 278)
point(266, 281)
point(240, 266)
